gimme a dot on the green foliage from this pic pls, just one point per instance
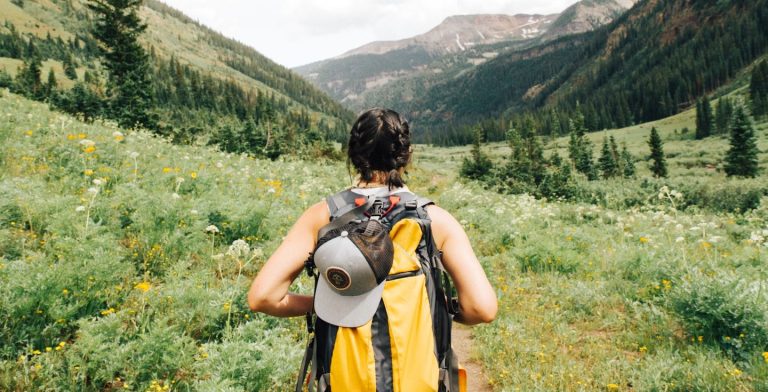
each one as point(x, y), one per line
point(609, 166)
point(129, 88)
point(627, 162)
point(479, 165)
point(704, 118)
point(724, 115)
point(659, 164)
point(580, 149)
point(725, 310)
point(758, 89)
point(28, 81)
point(741, 158)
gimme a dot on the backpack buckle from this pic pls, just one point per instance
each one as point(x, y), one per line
point(377, 209)
point(411, 205)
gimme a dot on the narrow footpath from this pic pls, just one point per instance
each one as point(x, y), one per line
point(462, 344)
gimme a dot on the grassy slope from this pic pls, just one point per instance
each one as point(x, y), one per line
point(142, 294)
point(168, 35)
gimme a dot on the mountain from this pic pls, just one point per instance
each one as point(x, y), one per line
point(204, 81)
point(392, 68)
point(651, 62)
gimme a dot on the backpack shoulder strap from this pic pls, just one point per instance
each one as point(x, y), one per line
point(339, 202)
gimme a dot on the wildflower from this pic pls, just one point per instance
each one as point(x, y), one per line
point(88, 172)
point(193, 212)
point(118, 136)
point(65, 292)
point(80, 208)
point(226, 306)
point(81, 136)
point(193, 175)
point(167, 169)
point(107, 312)
point(643, 349)
point(61, 345)
point(613, 387)
point(212, 229)
point(175, 196)
point(98, 181)
point(48, 349)
point(179, 180)
point(89, 149)
point(36, 352)
point(143, 286)
point(735, 372)
point(765, 356)
point(701, 339)
point(239, 249)
point(644, 240)
point(87, 143)
point(133, 154)
point(93, 191)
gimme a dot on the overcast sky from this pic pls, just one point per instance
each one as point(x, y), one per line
point(298, 32)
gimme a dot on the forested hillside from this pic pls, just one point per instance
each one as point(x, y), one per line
point(652, 62)
point(207, 87)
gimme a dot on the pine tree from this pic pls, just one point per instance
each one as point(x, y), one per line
point(607, 163)
point(130, 90)
point(704, 120)
point(627, 162)
point(723, 114)
point(741, 158)
point(479, 165)
point(659, 165)
point(52, 84)
point(758, 89)
point(28, 79)
point(69, 67)
point(580, 148)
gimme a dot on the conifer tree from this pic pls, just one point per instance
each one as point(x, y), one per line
point(608, 166)
point(52, 84)
point(69, 67)
point(758, 89)
point(117, 28)
point(704, 120)
point(723, 114)
point(580, 148)
point(627, 162)
point(478, 165)
point(741, 158)
point(659, 164)
point(28, 81)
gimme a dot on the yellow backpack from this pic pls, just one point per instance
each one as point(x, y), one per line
point(406, 346)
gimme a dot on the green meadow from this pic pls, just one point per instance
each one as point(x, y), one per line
point(125, 261)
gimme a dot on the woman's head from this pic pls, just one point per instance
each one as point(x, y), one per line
point(380, 146)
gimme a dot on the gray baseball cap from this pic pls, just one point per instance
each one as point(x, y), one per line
point(353, 263)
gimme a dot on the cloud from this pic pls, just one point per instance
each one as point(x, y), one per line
point(297, 32)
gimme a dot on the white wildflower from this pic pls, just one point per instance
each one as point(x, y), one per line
point(87, 143)
point(239, 249)
point(133, 154)
point(93, 190)
point(193, 212)
point(80, 208)
point(117, 134)
point(679, 239)
point(98, 181)
point(212, 229)
point(175, 196)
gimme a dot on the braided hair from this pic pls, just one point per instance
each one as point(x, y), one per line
point(380, 141)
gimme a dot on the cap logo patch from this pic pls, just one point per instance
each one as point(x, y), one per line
point(338, 278)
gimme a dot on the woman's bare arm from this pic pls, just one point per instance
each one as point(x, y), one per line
point(477, 300)
point(269, 291)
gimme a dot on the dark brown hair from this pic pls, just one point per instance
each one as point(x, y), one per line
point(380, 141)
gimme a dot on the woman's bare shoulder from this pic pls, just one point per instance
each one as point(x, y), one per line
point(443, 224)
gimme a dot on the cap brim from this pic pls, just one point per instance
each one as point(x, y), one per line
point(346, 311)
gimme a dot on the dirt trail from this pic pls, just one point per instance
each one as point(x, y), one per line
point(462, 343)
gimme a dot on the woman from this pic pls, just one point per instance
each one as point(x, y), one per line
point(379, 149)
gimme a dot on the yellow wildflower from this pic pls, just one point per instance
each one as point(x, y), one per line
point(65, 291)
point(28, 133)
point(643, 349)
point(88, 172)
point(48, 349)
point(36, 352)
point(765, 356)
point(107, 312)
point(735, 372)
point(89, 149)
point(167, 169)
point(701, 339)
point(613, 387)
point(81, 136)
point(644, 240)
point(71, 136)
point(143, 286)
point(193, 175)
point(226, 306)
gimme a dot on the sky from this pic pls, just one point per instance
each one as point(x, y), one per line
point(298, 32)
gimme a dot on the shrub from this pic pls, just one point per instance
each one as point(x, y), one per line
point(724, 310)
